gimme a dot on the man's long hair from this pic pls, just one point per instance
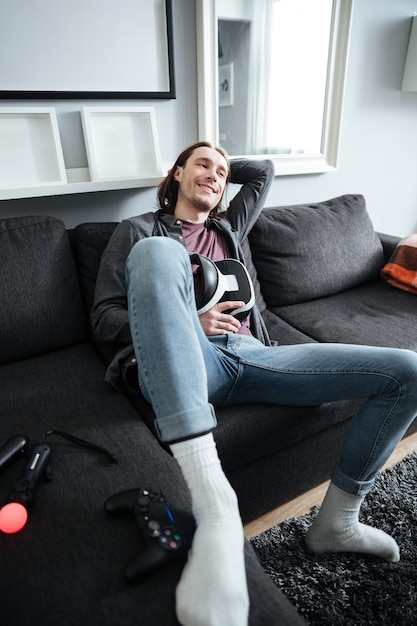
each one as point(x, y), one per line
point(168, 188)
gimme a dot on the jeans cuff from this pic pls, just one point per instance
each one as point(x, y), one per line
point(350, 485)
point(186, 425)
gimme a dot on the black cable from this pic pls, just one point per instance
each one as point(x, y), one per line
point(84, 443)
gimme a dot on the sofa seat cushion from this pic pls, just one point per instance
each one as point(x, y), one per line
point(41, 306)
point(283, 333)
point(304, 252)
point(372, 314)
point(67, 565)
point(68, 561)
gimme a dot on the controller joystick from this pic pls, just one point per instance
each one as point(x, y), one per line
point(163, 541)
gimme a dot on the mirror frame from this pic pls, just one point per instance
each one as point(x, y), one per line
point(207, 81)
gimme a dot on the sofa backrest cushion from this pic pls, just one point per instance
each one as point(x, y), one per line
point(252, 273)
point(304, 252)
point(41, 307)
point(89, 242)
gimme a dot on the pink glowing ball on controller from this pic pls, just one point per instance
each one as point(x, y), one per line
point(13, 517)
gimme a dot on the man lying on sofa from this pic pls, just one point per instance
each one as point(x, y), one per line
point(187, 363)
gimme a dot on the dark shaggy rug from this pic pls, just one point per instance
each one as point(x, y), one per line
point(348, 589)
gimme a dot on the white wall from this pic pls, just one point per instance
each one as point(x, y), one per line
point(378, 149)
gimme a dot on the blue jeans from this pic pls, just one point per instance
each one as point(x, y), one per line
point(183, 373)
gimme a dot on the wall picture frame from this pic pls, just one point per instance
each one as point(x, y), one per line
point(121, 142)
point(30, 148)
point(79, 50)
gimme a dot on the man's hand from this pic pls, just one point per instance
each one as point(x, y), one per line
point(216, 322)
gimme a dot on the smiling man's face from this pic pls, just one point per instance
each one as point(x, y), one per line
point(201, 181)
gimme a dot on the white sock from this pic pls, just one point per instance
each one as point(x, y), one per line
point(212, 590)
point(337, 529)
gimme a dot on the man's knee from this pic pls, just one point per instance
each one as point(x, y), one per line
point(156, 250)
point(162, 258)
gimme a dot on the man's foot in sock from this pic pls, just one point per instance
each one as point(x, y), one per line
point(337, 529)
point(361, 539)
point(212, 590)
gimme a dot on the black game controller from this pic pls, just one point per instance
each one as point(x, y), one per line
point(163, 541)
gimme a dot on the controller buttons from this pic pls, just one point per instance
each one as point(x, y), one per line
point(169, 543)
point(154, 529)
point(170, 540)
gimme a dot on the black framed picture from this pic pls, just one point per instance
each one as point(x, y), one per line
point(57, 49)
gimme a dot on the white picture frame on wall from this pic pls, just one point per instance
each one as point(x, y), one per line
point(30, 148)
point(121, 142)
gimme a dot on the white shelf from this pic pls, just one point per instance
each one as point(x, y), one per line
point(122, 152)
point(78, 182)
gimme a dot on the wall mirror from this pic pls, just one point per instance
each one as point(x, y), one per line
point(86, 49)
point(271, 78)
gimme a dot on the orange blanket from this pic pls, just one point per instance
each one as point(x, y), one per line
point(401, 269)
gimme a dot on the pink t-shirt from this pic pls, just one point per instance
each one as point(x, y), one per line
point(213, 244)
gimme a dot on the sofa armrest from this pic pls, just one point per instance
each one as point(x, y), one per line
point(389, 243)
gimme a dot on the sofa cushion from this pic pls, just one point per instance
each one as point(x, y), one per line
point(371, 314)
point(80, 551)
point(41, 307)
point(89, 242)
point(304, 252)
point(252, 273)
point(68, 562)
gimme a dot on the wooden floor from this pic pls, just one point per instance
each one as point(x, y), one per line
point(304, 503)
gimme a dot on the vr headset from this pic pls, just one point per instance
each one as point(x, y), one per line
point(223, 280)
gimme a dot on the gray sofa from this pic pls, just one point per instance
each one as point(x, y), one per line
point(66, 566)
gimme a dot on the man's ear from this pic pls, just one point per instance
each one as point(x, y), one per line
point(177, 174)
